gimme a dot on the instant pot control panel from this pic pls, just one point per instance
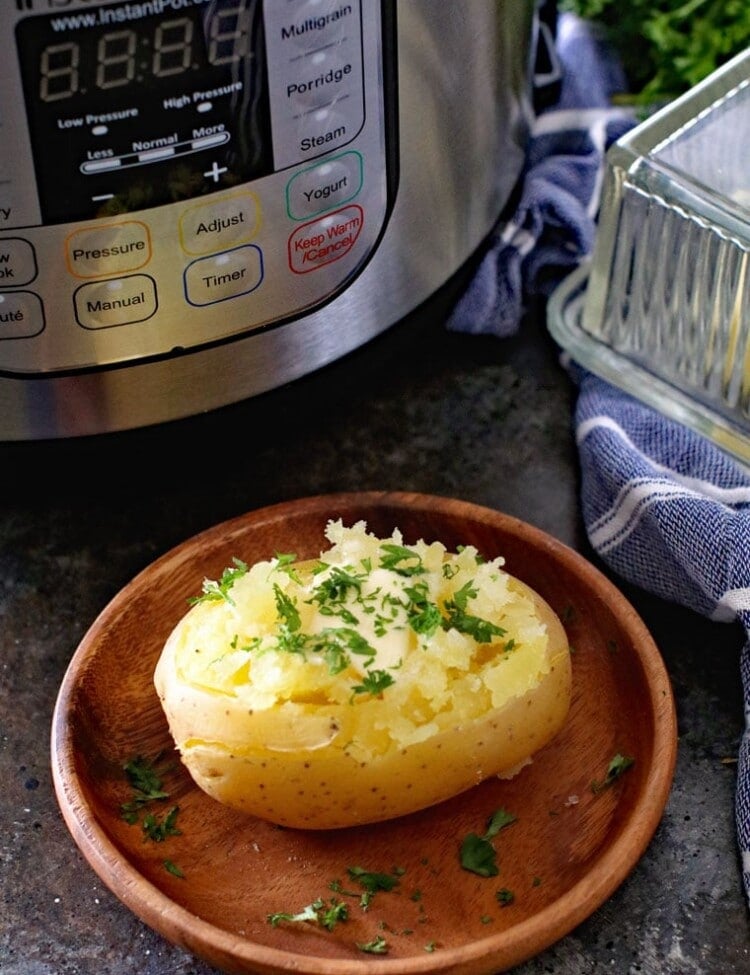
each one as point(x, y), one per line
point(175, 173)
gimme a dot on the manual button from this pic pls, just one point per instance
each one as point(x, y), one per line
point(120, 301)
point(104, 251)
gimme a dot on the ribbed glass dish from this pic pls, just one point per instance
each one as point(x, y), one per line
point(665, 310)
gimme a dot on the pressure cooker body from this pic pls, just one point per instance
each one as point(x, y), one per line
point(211, 200)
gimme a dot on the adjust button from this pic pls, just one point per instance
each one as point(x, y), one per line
point(211, 227)
point(21, 315)
point(17, 262)
point(223, 276)
point(121, 301)
point(112, 249)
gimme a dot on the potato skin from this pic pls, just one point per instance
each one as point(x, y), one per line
point(299, 764)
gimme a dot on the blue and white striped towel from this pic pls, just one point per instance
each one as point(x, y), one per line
point(663, 507)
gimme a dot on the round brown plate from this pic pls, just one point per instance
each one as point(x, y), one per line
point(568, 850)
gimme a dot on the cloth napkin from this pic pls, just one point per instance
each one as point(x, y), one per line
point(663, 507)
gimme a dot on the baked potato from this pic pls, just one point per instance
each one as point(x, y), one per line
point(372, 682)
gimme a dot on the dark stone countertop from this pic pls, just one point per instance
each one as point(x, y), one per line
point(418, 409)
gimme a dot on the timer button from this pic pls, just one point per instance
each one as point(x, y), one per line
point(21, 315)
point(222, 276)
point(17, 262)
point(324, 186)
point(108, 250)
point(210, 227)
point(120, 301)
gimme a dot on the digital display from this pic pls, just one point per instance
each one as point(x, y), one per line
point(130, 109)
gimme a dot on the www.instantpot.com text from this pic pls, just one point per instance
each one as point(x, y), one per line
point(121, 14)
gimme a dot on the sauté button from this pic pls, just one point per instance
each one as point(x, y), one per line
point(21, 315)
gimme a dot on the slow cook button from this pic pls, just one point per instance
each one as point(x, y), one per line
point(210, 227)
point(121, 301)
point(105, 251)
point(222, 276)
point(21, 315)
point(322, 241)
point(17, 262)
point(324, 186)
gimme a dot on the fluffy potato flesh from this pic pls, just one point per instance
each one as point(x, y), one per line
point(373, 682)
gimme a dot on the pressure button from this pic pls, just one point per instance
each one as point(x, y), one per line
point(108, 250)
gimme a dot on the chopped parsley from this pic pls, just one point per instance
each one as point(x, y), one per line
point(477, 853)
point(148, 788)
point(213, 591)
point(371, 882)
point(400, 559)
point(378, 946)
point(327, 915)
point(617, 767)
point(374, 682)
point(482, 630)
point(159, 828)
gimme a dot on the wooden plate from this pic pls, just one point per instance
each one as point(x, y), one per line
point(568, 850)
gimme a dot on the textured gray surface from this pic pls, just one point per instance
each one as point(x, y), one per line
point(479, 419)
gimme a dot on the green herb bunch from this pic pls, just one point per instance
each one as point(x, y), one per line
point(668, 46)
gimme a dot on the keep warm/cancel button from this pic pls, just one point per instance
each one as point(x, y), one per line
point(120, 301)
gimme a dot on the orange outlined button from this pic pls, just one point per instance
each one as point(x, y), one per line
point(210, 227)
point(327, 239)
point(112, 249)
point(120, 301)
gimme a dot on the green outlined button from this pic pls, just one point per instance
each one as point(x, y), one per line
point(324, 186)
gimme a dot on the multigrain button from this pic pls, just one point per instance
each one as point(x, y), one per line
point(17, 262)
point(220, 225)
point(121, 301)
point(324, 186)
point(21, 315)
point(319, 22)
point(109, 250)
point(222, 276)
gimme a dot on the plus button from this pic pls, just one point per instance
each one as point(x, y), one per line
point(215, 171)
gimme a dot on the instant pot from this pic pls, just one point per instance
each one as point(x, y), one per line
point(201, 200)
